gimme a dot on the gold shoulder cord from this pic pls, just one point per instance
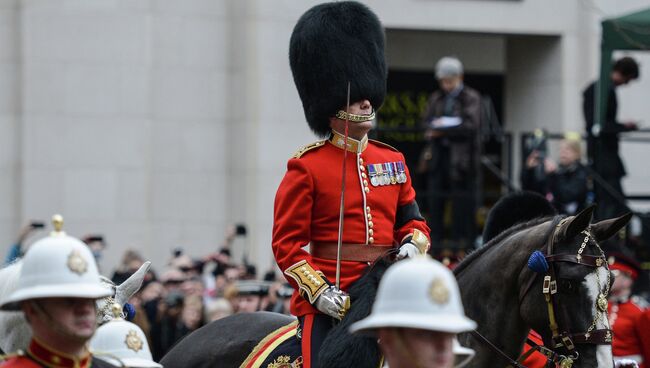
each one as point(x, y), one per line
point(302, 150)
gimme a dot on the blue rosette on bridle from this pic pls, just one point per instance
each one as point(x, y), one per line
point(129, 311)
point(537, 262)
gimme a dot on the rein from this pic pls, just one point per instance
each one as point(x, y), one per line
point(542, 262)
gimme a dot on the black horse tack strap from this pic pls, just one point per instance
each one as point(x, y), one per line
point(483, 339)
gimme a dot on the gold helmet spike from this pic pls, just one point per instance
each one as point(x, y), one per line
point(116, 310)
point(57, 223)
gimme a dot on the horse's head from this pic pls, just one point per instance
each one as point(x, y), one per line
point(121, 293)
point(564, 290)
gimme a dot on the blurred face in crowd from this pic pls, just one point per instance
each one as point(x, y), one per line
point(192, 287)
point(568, 153)
point(449, 84)
point(232, 274)
point(153, 290)
point(622, 286)
point(60, 320)
point(355, 130)
point(619, 79)
point(248, 303)
point(410, 347)
point(192, 312)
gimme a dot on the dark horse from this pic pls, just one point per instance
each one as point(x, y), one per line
point(227, 342)
point(490, 280)
point(505, 296)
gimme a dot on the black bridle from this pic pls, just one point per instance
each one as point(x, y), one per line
point(563, 338)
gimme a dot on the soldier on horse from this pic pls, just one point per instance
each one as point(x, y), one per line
point(345, 181)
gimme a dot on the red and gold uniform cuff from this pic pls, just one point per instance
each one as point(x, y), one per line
point(310, 282)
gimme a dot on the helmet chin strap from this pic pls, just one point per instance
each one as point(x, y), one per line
point(355, 118)
point(55, 325)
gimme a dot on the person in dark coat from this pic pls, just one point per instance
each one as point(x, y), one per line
point(564, 185)
point(603, 145)
point(451, 121)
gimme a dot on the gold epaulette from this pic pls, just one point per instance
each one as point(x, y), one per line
point(311, 282)
point(384, 144)
point(18, 353)
point(301, 151)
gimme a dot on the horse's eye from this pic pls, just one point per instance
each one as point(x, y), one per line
point(567, 286)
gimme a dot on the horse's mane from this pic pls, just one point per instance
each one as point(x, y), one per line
point(14, 330)
point(9, 278)
point(343, 349)
point(497, 240)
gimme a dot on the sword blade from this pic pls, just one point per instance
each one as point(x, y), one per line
point(342, 205)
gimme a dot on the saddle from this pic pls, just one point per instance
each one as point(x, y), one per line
point(279, 349)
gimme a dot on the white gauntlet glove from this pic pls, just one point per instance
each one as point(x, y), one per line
point(413, 244)
point(333, 302)
point(407, 250)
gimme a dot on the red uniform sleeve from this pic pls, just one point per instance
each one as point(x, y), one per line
point(412, 219)
point(292, 217)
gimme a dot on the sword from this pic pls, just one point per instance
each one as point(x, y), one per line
point(342, 206)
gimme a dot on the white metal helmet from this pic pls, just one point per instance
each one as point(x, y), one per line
point(417, 293)
point(57, 266)
point(122, 343)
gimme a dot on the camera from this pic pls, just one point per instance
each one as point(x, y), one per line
point(240, 230)
point(37, 224)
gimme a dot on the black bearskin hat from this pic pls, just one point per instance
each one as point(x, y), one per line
point(331, 44)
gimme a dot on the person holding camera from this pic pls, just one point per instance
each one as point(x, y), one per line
point(16, 250)
point(564, 184)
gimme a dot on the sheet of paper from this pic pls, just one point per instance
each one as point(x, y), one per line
point(446, 122)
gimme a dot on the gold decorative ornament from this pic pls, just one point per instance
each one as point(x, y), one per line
point(566, 363)
point(284, 361)
point(438, 291)
point(133, 341)
point(602, 303)
point(76, 263)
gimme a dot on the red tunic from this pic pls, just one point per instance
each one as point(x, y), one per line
point(630, 324)
point(307, 209)
point(39, 355)
point(536, 359)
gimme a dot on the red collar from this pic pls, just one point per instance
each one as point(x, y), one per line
point(52, 358)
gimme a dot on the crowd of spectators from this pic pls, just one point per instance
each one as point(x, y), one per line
point(190, 290)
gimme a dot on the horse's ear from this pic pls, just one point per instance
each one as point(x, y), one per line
point(128, 288)
point(605, 229)
point(578, 223)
